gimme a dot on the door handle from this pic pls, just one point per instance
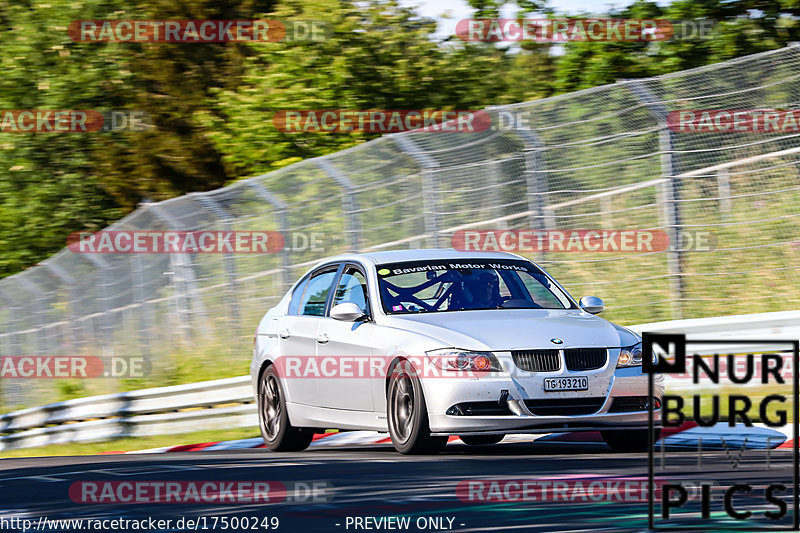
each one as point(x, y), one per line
point(322, 339)
point(284, 334)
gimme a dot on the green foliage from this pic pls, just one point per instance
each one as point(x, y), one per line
point(48, 186)
point(52, 184)
point(380, 56)
point(212, 104)
point(741, 28)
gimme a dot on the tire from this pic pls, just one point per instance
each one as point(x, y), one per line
point(631, 440)
point(278, 434)
point(481, 440)
point(407, 414)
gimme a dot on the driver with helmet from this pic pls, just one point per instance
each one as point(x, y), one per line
point(481, 290)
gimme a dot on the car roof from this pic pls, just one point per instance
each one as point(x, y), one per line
point(399, 256)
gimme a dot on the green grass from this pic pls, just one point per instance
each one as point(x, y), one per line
point(132, 443)
point(213, 360)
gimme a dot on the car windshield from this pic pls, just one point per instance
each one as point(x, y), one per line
point(442, 285)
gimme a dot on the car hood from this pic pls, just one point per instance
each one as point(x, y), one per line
point(513, 329)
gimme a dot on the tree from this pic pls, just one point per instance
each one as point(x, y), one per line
point(379, 55)
point(49, 185)
point(741, 28)
point(52, 184)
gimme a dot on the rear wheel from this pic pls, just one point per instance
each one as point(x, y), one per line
point(407, 414)
point(278, 434)
point(481, 440)
point(628, 440)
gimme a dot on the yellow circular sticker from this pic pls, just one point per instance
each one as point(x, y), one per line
point(384, 271)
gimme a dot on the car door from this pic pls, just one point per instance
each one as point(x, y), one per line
point(298, 334)
point(343, 348)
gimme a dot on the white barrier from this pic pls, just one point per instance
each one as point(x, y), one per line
point(227, 403)
point(158, 411)
point(780, 325)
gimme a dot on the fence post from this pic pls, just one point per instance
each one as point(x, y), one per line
point(724, 189)
point(105, 324)
point(349, 202)
point(670, 191)
point(13, 343)
point(12, 390)
point(495, 197)
point(138, 293)
point(39, 312)
point(541, 218)
point(69, 281)
point(430, 198)
point(221, 214)
point(183, 279)
point(280, 213)
point(535, 179)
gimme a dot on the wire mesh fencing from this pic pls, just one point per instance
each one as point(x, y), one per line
point(607, 158)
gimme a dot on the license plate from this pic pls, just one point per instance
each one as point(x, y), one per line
point(559, 384)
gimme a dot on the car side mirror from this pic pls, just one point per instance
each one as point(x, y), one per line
point(347, 312)
point(592, 304)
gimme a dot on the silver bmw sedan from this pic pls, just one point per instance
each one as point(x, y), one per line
point(430, 343)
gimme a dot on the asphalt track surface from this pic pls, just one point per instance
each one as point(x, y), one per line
point(376, 481)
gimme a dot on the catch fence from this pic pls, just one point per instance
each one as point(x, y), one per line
point(602, 158)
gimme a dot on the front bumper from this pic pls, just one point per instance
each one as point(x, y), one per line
point(520, 394)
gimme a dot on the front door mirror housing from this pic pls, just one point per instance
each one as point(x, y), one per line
point(592, 304)
point(347, 312)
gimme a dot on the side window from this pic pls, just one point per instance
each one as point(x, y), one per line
point(540, 293)
point(352, 288)
point(316, 293)
point(294, 303)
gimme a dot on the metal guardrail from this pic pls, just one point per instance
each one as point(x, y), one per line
point(214, 404)
point(226, 403)
point(780, 325)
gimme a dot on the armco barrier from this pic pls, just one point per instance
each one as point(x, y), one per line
point(158, 411)
point(778, 326)
point(227, 403)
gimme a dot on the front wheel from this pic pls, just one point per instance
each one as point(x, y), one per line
point(628, 440)
point(278, 434)
point(407, 414)
point(481, 440)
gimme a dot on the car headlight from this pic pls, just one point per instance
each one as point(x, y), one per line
point(630, 356)
point(464, 360)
